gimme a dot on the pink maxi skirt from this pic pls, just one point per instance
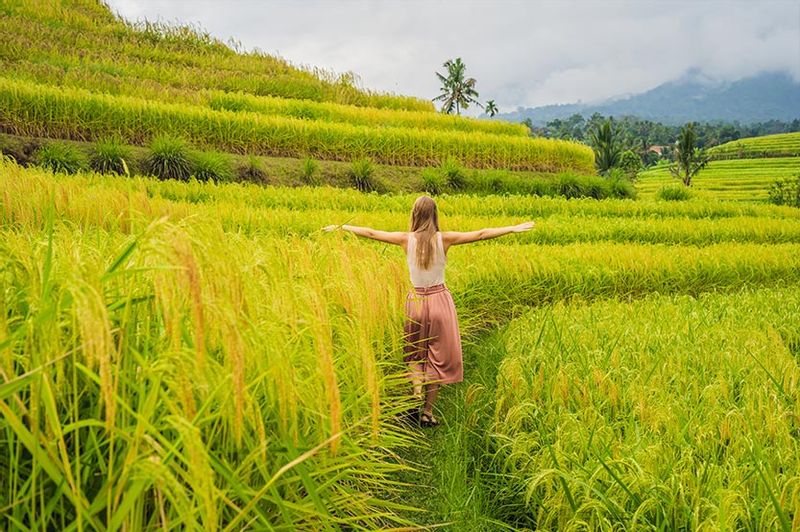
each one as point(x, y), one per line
point(432, 336)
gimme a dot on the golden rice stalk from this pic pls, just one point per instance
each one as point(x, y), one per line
point(97, 343)
point(323, 343)
point(191, 276)
point(234, 349)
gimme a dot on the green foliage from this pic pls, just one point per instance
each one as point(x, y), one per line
point(491, 108)
point(689, 159)
point(36, 110)
point(308, 171)
point(780, 145)
point(361, 175)
point(208, 165)
point(433, 182)
point(786, 191)
point(169, 158)
point(588, 391)
point(733, 179)
point(110, 156)
point(458, 92)
point(637, 132)
point(577, 186)
point(453, 174)
point(631, 164)
point(158, 60)
point(674, 193)
point(361, 116)
point(215, 276)
point(607, 148)
point(253, 170)
point(61, 157)
point(621, 188)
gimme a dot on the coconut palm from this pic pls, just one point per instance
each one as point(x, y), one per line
point(457, 91)
point(491, 108)
point(689, 159)
point(607, 148)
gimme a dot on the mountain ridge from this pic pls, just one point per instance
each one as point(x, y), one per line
point(692, 97)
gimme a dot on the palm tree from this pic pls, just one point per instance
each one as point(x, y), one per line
point(689, 159)
point(606, 145)
point(491, 108)
point(457, 92)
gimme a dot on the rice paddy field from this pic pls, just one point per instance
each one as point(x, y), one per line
point(184, 354)
point(82, 44)
point(58, 112)
point(192, 355)
point(80, 73)
point(727, 179)
point(780, 145)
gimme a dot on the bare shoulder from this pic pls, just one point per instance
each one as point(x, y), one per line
point(449, 238)
point(403, 240)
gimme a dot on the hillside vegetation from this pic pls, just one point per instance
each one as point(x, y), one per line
point(734, 179)
point(781, 145)
point(77, 72)
point(80, 43)
point(46, 111)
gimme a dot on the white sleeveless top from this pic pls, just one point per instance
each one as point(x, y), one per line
point(435, 274)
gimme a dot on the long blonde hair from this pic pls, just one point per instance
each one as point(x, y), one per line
point(424, 225)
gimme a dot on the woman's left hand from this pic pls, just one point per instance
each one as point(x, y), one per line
point(330, 228)
point(526, 226)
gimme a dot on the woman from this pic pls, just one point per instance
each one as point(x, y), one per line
point(433, 343)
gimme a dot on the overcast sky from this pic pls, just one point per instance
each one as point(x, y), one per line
point(522, 53)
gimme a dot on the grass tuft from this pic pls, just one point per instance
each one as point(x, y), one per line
point(362, 175)
point(432, 182)
point(674, 193)
point(453, 174)
point(61, 158)
point(169, 158)
point(308, 171)
point(110, 156)
point(209, 165)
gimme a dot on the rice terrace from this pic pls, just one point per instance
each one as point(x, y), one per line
point(193, 337)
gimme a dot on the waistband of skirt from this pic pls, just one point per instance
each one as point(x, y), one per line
point(428, 290)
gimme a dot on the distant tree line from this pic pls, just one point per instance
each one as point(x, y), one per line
point(616, 159)
point(639, 135)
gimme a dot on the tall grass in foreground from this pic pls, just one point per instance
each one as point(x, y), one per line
point(669, 413)
point(166, 365)
point(167, 376)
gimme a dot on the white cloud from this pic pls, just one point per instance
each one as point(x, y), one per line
point(521, 53)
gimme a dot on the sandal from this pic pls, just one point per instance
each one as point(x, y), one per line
point(428, 421)
point(410, 416)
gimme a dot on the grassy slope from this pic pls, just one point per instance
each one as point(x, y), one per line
point(81, 43)
point(287, 171)
point(43, 110)
point(180, 76)
point(780, 145)
point(738, 179)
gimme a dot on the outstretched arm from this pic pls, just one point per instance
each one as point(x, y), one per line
point(391, 237)
point(453, 238)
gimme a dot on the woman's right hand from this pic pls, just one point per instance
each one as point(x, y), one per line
point(521, 228)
